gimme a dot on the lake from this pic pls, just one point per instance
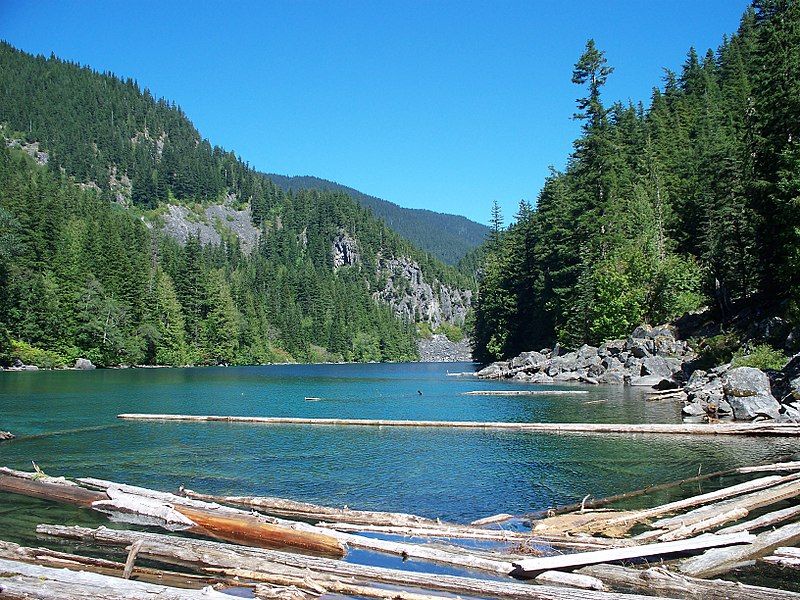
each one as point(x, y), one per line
point(66, 422)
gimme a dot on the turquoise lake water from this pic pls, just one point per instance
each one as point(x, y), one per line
point(452, 474)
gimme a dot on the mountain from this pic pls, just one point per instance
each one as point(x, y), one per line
point(447, 237)
point(128, 238)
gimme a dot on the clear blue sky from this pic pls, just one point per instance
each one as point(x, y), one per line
point(445, 105)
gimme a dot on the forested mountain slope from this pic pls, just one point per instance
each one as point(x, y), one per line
point(692, 200)
point(128, 238)
point(447, 237)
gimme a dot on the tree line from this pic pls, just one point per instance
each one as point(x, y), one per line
point(691, 200)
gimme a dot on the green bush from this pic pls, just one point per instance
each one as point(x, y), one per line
point(762, 356)
point(451, 332)
point(31, 355)
point(717, 350)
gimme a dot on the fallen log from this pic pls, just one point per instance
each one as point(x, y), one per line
point(615, 524)
point(758, 498)
point(24, 581)
point(662, 581)
point(217, 522)
point(601, 502)
point(739, 428)
point(574, 580)
point(721, 560)
point(532, 566)
point(313, 512)
point(499, 518)
point(222, 517)
point(767, 520)
point(6, 435)
point(451, 532)
point(708, 524)
point(210, 557)
point(524, 393)
point(63, 560)
point(785, 557)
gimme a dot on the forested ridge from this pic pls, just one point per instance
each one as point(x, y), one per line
point(85, 270)
point(447, 237)
point(693, 200)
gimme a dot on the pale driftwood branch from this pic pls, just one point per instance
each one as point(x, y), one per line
point(745, 428)
point(210, 557)
point(657, 580)
point(575, 580)
point(532, 566)
point(705, 525)
point(500, 518)
point(129, 562)
point(451, 532)
point(785, 557)
point(721, 560)
point(767, 520)
point(25, 581)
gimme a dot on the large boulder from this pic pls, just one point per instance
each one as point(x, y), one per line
point(658, 365)
point(529, 361)
point(84, 364)
point(748, 392)
point(495, 370)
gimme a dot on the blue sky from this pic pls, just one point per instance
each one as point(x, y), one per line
point(439, 104)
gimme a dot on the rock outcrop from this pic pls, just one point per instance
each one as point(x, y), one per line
point(84, 364)
point(180, 222)
point(344, 251)
point(438, 348)
point(651, 356)
point(417, 299)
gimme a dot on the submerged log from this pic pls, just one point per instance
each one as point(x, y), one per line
point(721, 560)
point(210, 557)
point(532, 566)
point(314, 512)
point(744, 428)
point(24, 581)
point(207, 520)
point(661, 581)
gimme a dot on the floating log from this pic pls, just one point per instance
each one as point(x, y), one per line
point(6, 435)
point(209, 556)
point(721, 560)
point(767, 520)
point(63, 560)
point(532, 566)
point(524, 393)
point(601, 502)
point(314, 512)
point(785, 557)
point(24, 581)
point(223, 520)
point(448, 531)
point(615, 524)
point(788, 487)
point(217, 522)
point(499, 518)
point(705, 525)
point(574, 580)
point(745, 428)
point(657, 580)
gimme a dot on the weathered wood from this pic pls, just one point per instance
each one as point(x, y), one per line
point(26, 581)
point(751, 501)
point(767, 520)
point(584, 582)
point(524, 393)
point(601, 502)
point(743, 428)
point(531, 566)
point(6, 435)
point(131, 559)
point(721, 560)
point(169, 512)
point(785, 557)
point(452, 532)
point(616, 524)
point(62, 560)
point(657, 580)
point(216, 520)
point(499, 518)
point(705, 525)
point(314, 512)
point(209, 556)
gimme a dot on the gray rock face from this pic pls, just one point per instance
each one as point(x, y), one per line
point(180, 222)
point(344, 251)
point(84, 364)
point(414, 298)
point(440, 349)
point(749, 394)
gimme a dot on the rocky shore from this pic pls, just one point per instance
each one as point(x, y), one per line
point(438, 348)
point(654, 358)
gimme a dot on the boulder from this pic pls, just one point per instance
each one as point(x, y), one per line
point(611, 348)
point(84, 364)
point(694, 409)
point(639, 350)
point(657, 365)
point(495, 370)
point(612, 377)
point(567, 376)
point(540, 378)
point(652, 381)
point(748, 392)
point(30, 368)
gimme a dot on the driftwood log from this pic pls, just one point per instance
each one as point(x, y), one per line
point(785, 557)
point(657, 580)
point(225, 559)
point(754, 429)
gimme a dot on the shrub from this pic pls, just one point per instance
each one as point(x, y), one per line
point(451, 332)
point(31, 355)
point(716, 350)
point(761, 356)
